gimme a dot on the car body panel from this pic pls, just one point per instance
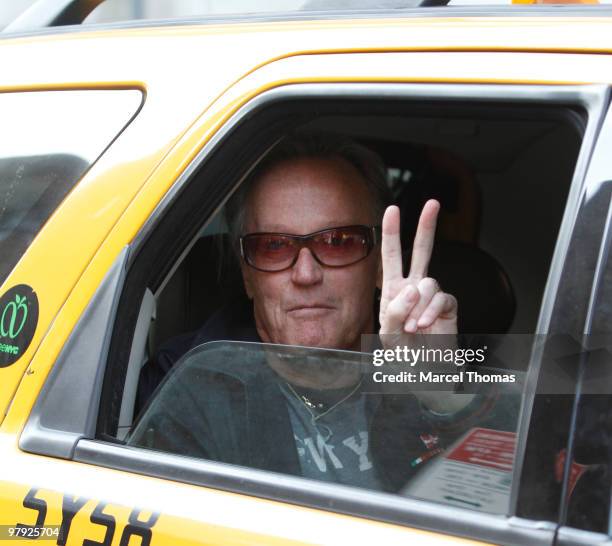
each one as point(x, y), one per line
point(188, 514)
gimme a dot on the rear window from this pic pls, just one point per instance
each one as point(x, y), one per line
point(48, 141)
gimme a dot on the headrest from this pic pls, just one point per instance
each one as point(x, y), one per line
point(204, 281)
point(486, 299)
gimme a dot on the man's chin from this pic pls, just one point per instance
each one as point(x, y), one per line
point(316, 337)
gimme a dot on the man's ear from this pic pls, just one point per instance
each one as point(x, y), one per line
point(246, 279)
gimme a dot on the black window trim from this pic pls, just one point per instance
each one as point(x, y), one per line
point(83, 448)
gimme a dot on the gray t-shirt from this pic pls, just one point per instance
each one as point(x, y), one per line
point(333, 445)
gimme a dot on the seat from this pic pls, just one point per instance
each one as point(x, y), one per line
point(486, 299)
point(205, 281)
point(487, 302)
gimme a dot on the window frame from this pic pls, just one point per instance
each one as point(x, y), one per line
point(600, 167)
point(51, 432)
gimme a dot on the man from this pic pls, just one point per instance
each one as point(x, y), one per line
point(306, 224)
point(321, 305)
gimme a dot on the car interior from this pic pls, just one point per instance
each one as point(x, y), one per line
point(501, 209)
point(501, 172)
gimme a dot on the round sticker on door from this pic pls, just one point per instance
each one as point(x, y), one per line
point(18, 319)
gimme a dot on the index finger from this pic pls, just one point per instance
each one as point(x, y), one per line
point(424, 240)
point(391, 247)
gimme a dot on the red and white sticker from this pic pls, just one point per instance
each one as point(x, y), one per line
point(476, 472)
point(486, 447)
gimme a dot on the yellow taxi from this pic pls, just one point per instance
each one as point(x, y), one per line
point(122, 143)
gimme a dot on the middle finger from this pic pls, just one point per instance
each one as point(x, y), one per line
point(424, 241)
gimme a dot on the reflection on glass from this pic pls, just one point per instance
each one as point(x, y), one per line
point(322, 414)
point(48, 140)
point(76, 123)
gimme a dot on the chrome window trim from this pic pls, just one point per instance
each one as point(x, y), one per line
point(568, 536)
point(596, 178)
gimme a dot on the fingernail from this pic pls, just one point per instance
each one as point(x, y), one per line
point(411, 325)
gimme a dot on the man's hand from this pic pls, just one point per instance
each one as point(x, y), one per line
point(416, 304)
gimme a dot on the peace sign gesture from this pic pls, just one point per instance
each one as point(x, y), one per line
point(415, 304)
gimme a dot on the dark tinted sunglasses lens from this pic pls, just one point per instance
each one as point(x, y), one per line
point(337, 247)
point(269, 252)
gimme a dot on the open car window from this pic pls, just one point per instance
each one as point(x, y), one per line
point(391, 438)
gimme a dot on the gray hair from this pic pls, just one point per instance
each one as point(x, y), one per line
point(313, 145)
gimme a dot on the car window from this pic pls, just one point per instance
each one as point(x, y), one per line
point(48, 141)
point(434, 418)
point(246, 404)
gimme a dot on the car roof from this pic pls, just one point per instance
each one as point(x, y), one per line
point(70, 16)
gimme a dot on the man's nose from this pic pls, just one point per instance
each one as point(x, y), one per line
point(306, 270)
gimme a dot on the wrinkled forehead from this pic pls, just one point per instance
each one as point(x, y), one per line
point(307, 194)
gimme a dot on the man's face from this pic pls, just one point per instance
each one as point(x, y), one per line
point(310, 304)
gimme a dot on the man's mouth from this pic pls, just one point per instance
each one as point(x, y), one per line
point(310, 310)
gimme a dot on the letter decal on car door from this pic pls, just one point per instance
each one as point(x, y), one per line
point(139, 525)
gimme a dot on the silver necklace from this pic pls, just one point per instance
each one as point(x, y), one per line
point(310, 406)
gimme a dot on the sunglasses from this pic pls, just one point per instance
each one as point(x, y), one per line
point(334, 247)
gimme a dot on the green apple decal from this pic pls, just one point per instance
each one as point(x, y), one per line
point(18, 321)
point(17, 310)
